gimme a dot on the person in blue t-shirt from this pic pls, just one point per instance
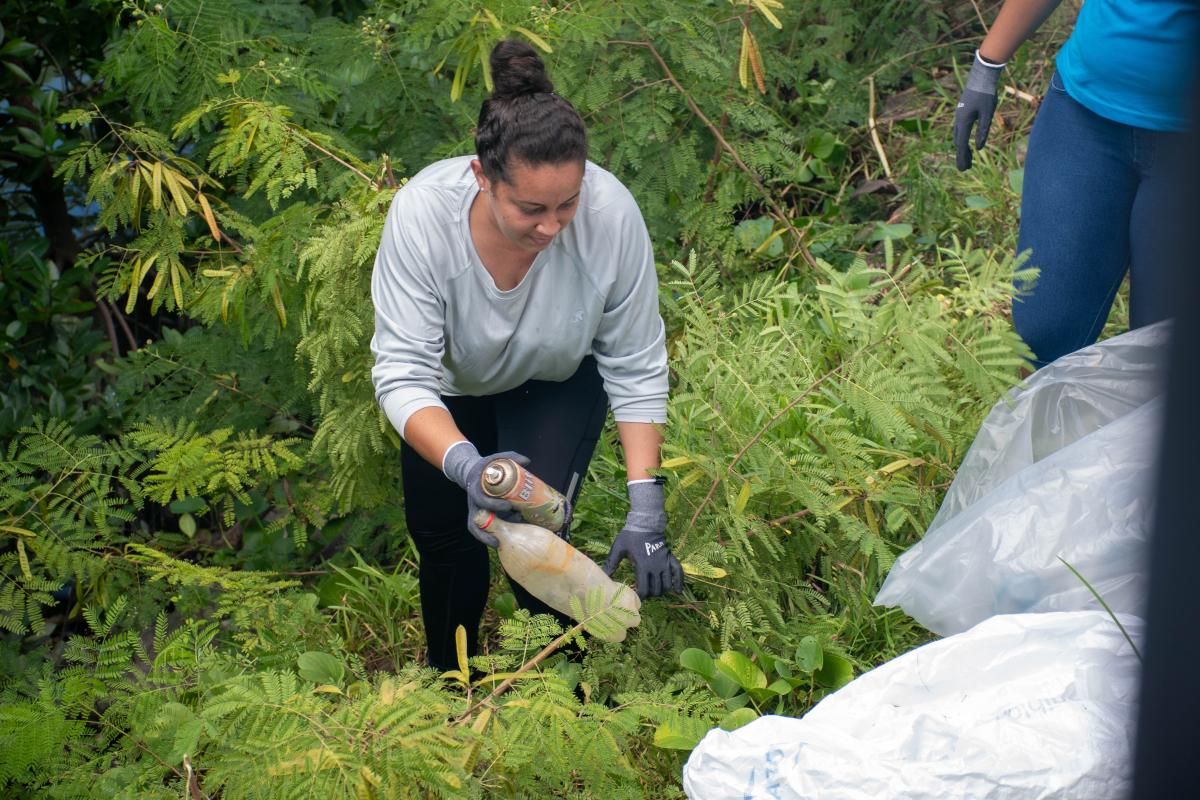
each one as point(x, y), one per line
point(1100, 157)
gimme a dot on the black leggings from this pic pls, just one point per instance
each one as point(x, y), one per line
point(556, 425)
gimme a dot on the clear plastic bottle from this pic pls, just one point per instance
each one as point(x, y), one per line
point(555, 572)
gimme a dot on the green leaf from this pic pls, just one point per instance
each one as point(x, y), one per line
point(753, 232)
point(187, 737)
point(977, 202)
point(1016, 179)
point(320, 668)
point(506, 605)
point(18, 48)
point(723, 686)
point(835, 673)
point(895, 230)
point(741, 669)
point(187, 524)
point(681, 733)
point(820, 144)
point(780, 687)
point(739, 700)
point(809, 655)
point(697, 661)
point(17, 70)
point(187, 505)
point(736, 719)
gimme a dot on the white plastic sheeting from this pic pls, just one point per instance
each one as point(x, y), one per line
point(1021, 707)
point(1060, 468)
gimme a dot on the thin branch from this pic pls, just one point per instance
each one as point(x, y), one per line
point(883, 159)
point(109, 328)
point(120, 318)
point(979, 14)
point(737, 159)
point(374, 183)
point(630, 93)
point(504, 686)
point(789, 517)
point(193, 780)
point(1026, 96)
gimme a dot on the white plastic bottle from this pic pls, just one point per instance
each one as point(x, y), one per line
point(555, 572)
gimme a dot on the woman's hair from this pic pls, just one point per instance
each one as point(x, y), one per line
point(524, 119)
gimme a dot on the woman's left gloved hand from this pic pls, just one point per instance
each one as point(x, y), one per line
point(975, 109)
point(463, 465)
point(643, 541)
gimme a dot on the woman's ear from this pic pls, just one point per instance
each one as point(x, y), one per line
point(480, 178)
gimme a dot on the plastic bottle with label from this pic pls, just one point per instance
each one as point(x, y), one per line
point(555, 572)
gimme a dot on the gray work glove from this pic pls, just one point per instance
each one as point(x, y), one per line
point(463, 465)
point(643, 541)
point(975, 109)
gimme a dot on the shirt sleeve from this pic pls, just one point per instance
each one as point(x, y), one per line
point(409, 317)
point(630, 342)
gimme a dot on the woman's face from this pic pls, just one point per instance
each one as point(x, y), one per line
point(533, 203)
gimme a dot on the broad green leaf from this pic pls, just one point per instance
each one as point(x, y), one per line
point(977, 202)
point(889, 231)
point(320, 668)
point(739, 700)
point(835, 672)
point(697, 661)
point(741, 669)
point(736, 719)
point(681, 733)
point(809, 655)
point(753, 232)
point(506, 605)
point(187, 525)
point(724, 686)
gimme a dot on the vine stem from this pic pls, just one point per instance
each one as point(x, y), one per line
point(712, 490)
point(726, 146)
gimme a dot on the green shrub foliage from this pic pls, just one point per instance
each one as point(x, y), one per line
point(205, 585)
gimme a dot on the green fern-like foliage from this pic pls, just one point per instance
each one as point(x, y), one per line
point(834, 439)
point(64, 499)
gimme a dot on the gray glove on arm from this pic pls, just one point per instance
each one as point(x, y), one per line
point(643, 541)
point(975, 108)
point(463, 465)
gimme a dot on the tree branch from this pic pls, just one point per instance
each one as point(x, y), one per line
point(768, 198)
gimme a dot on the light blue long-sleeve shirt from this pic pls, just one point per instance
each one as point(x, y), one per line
point(443, 328)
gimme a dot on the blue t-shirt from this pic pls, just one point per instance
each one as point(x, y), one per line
point(1133, 60)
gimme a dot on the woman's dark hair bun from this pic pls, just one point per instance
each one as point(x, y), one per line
point(517, 70)
point(524, 120)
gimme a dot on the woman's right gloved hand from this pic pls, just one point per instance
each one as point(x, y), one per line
point(463, 465)
point(975, 109)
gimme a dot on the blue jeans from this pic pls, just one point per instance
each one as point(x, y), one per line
point(1094, 204)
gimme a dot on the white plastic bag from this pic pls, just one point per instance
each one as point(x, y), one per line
point(1061, 468)
point(1021, 707)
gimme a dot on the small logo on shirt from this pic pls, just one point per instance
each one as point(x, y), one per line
point(577, 316)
